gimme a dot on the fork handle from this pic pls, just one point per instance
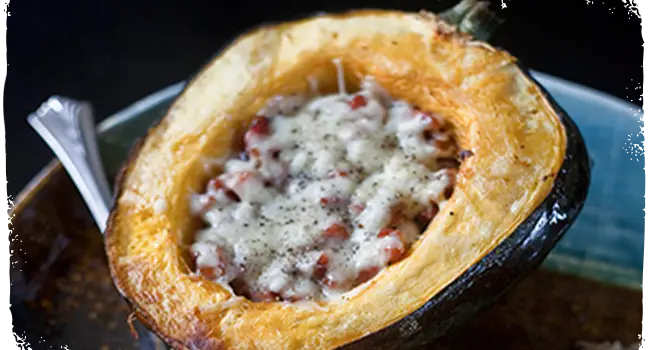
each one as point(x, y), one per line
point(67, 126)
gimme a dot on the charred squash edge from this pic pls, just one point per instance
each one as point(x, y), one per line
point(485, 281)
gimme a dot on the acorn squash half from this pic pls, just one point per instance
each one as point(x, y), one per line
point(515, 197)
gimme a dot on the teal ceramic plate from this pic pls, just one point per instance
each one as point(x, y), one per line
point(606, 241)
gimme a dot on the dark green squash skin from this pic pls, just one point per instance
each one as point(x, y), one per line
point(485, 281)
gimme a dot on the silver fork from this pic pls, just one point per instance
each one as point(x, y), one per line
point(68, 128)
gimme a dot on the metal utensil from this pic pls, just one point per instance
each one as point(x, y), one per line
point(68, 128)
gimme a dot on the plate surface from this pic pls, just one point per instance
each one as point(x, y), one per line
point(606, 241)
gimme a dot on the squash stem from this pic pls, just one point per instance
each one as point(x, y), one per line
point(473, 17)
point(455, 14)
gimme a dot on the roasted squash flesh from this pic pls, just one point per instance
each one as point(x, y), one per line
point(498, 113)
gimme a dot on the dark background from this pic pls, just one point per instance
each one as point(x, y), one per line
point(114, 52)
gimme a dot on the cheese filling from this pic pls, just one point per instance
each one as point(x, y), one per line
point(327, 193)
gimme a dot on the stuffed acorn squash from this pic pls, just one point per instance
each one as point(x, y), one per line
point(373, 178)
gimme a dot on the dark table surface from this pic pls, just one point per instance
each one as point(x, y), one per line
point(114, 52)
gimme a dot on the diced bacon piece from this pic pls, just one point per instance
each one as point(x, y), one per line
point(241, 177)
point(254, 152)
point(261, 125)
point(449, 189)
point(452, 175)
point(425, 216)
point(272, 154)
point(385, 232)
point(247, 185)
point(321, 266)
point(397, 219)
point(338, 172)
point(409, 232)
point(323, 260)
point(395, 252)
point(333, 201)
point(203, 204)
point(210, 273)
point(370, 84)
point(357, 208)
point(330, 283)
point(333, 282)
point(443, 144)
point(294, 298)
point(358, 101)
point(216, 184)
point(336, 231)
point(240, 287)
point(398, 215)
point(397, 247)
point(218, 265)
point(434, 122)
point(367, 274)
point(391, 232)
point(264, 296)
point(447, 163)
point(274, 172)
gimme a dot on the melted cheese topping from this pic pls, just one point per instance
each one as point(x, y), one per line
point(328, 192)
